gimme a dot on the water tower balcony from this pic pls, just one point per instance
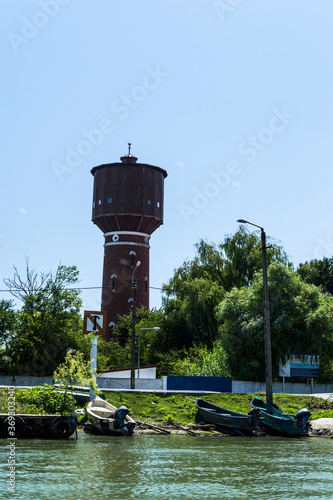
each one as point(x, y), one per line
point(127, 222)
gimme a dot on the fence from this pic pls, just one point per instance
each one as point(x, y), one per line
point(173, 383)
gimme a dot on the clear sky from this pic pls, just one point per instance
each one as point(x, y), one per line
point(233, 98)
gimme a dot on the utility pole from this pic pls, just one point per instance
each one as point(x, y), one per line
point(267, 324)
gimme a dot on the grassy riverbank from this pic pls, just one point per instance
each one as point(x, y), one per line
point(180, 408)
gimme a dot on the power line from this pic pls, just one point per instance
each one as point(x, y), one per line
point(83, 288)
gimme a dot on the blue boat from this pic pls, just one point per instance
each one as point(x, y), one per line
point(278, 422)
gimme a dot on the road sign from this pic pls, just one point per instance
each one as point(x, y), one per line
point(94, 322)
point(307, 367)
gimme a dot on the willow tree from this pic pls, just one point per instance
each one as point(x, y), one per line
point(199, 285)
point(300, 317)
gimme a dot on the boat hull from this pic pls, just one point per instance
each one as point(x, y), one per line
point(237, 423)
point(278, 422)
point(37, 426)
point(106, 419)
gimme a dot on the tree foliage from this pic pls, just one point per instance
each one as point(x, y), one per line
point(157, 347)
point(319, 273)
point(300, 317)
point(201, 361)
point(75, 371)
point(48, 323)
point(7, 320)
point(198, 286)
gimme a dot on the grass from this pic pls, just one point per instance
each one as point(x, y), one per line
point(180, 408)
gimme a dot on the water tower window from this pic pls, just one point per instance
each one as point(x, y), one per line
point(149, 202)
point(158, 204)
point(132, 254)
point(93, 204)
point(146, 284)
point(122, 200)
point(109, 200)
point(136, 200)
point(99, 202)
point(114, 282)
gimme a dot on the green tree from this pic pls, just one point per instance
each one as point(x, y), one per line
point(49, 322)
point(198, 286)
point(301, 323)
point(75, 371)
point(191, 310)
point(201, 361)
point(319, 273)
point(7, 320)
point(157, 347)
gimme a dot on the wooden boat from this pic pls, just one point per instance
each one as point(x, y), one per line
point(227, 420)
point(278, 422)
point(107, 419)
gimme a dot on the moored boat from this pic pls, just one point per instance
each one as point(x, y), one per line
point(108, 419)
point(227, 420)
point(278, 422)
point(37, 426)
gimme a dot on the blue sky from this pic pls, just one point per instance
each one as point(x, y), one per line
point(233, 98)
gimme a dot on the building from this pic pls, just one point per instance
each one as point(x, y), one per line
point(128, 202)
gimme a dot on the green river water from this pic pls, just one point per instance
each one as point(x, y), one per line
point(169, 467)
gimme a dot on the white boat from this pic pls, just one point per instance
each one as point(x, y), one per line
point(108, 419)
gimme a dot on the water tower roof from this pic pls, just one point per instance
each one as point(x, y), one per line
point(128, 158)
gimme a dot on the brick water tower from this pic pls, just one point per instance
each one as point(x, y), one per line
point(128, 208)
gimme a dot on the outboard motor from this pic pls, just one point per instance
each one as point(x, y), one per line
point(302, 417)
point(255, 417)
point(119, 417)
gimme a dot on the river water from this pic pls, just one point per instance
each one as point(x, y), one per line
point(169, 467)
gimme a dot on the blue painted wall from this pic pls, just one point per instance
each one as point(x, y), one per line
point(185, 383)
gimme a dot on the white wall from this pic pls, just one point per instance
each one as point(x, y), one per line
point(239, 387)
point(144, 373)
point(151, 384)
point(20, 381)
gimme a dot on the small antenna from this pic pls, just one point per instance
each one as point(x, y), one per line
point(129, 148)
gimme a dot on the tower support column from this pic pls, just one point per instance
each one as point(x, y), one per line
point(122, 250)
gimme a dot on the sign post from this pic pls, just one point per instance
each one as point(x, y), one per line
point(93, 363)
point(94, 322)
point(300, 367)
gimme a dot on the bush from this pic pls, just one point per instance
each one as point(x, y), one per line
point(47, 400)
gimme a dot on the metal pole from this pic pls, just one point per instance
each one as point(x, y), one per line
point(93, 363)
point(133, 338)
point(133, 328)
point(150, 328)
point(139, 353)
point(267, 326)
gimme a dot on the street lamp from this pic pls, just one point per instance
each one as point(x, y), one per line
point(152, 328)
point(133, 327)
point(267, 327)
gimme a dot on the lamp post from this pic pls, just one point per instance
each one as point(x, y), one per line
point(267, 327)
point(133, 327)
point(152, 328)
